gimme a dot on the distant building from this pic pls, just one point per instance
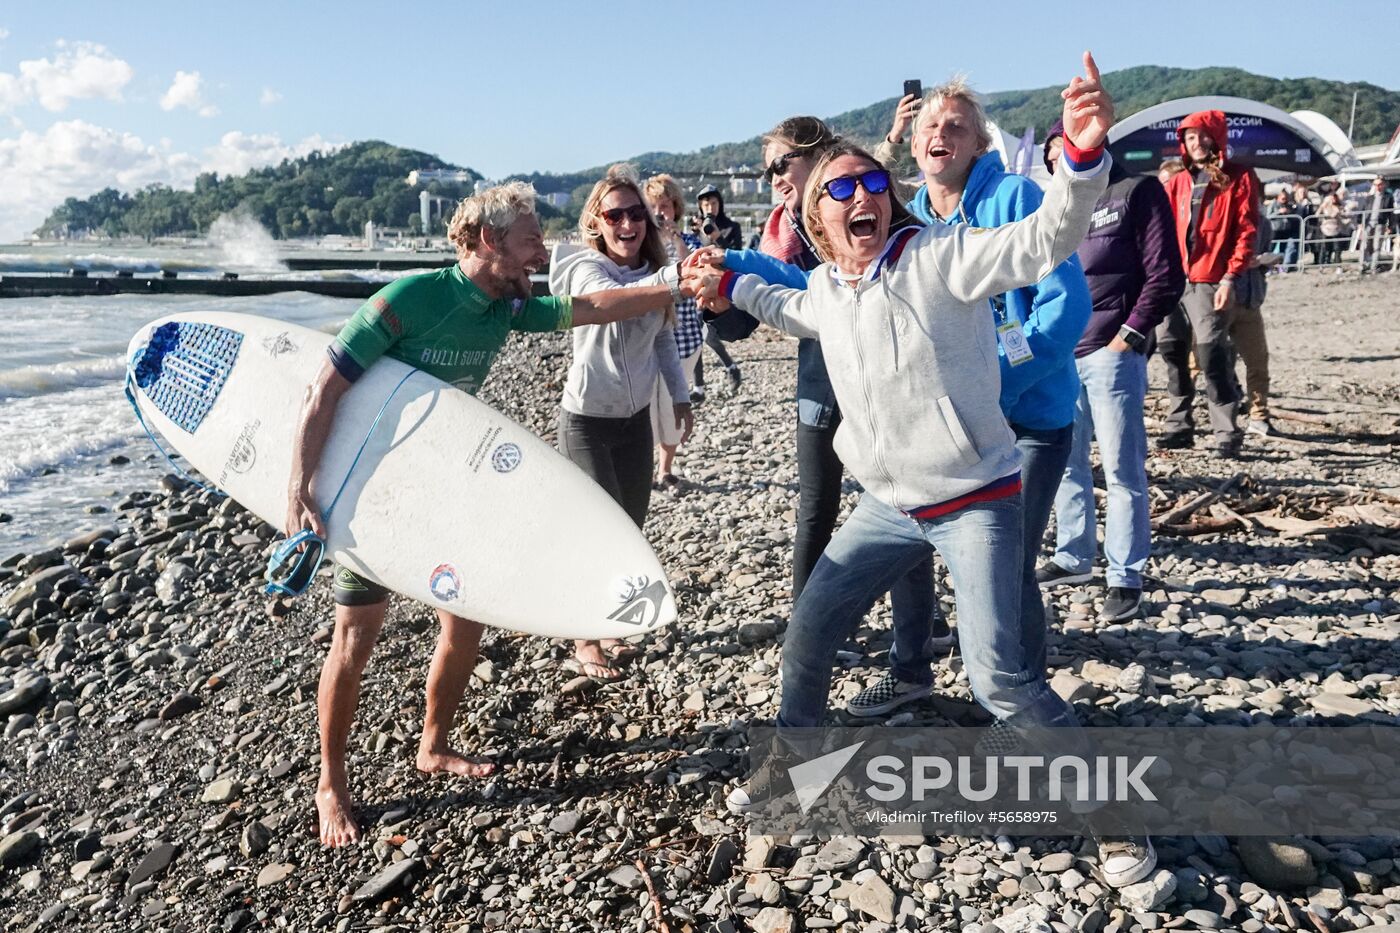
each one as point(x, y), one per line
point(556, 199)
point(744, 186)
point(449, 175)
point(432, 206)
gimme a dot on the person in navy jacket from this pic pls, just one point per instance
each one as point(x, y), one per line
point(1136, 278)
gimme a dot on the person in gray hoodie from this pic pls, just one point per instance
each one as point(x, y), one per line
point(912, 355)
point(605, 417)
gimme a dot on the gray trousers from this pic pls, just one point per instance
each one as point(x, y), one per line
point(1197, 324)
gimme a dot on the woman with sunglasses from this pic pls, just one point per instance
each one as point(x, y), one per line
point(912, 356)
point(605, 417)
point(786, 256)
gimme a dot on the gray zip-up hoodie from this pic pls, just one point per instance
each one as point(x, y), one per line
point(912, 351)
point(615, 366)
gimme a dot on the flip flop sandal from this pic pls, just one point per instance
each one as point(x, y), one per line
point(593, 670)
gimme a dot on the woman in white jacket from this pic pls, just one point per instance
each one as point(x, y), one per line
point(900, 310)
point(605, 420)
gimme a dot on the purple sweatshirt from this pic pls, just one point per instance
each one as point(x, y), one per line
point(1130, 258)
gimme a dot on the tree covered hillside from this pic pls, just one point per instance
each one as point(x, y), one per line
point(321, 193)
point(1134, 89)
point(336, 192)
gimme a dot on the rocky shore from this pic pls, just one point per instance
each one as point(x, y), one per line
point(160, 754)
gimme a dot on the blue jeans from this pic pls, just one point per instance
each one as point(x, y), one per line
point(1289, 249)
point(1044, 452)
point(878, 544)
point(1110, 409)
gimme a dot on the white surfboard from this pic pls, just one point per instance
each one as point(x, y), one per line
point(451, 503)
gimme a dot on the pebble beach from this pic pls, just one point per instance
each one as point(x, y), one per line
point(160, 754)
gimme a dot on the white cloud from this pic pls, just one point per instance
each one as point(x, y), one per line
point(77, 159)
point(4, 34)
point(78, 71)
point(269, 97)
point(187, 90)
point(238, 152)
point(12, 93)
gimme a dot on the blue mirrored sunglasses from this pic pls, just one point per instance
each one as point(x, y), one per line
point(875, 181)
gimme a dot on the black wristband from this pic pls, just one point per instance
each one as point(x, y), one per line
point(1131, 337)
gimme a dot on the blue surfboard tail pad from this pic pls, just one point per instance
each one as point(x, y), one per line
point(183, 367)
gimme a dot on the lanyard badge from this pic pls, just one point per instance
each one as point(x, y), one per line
point(1009, 332)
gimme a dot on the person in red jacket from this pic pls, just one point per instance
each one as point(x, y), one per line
point(1213, 203)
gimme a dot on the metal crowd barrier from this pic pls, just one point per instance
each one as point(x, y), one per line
point(1360, 240)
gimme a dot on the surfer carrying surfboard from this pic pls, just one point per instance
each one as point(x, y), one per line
point(450, 323)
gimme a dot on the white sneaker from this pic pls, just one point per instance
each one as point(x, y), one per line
point(1125, 860)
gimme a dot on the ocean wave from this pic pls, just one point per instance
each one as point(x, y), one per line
point(31, 264)
point(51, 432)
point(51, 378)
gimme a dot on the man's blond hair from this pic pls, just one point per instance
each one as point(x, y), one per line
point(497, 207)
point(958, 88)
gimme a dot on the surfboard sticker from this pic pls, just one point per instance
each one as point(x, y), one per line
point(641, 600)
point(506, 457)
point(445, 583)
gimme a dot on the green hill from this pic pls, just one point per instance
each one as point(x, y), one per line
point(1134, 89)
point(318, 194)
point(337, 192)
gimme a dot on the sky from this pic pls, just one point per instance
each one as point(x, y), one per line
point(96, 94)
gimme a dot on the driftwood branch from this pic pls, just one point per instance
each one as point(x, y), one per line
point(661, 925)
point(1201, 526)
point(1188, 508)
point(1303, 416)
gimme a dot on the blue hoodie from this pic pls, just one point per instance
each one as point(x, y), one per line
point(1041, 393)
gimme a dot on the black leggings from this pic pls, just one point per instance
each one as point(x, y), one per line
point(616, 453)
point(713, 341)
point(818, 497)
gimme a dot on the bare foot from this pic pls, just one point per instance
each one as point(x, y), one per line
point(593, 662)
point(338, 827)
point(432, 762)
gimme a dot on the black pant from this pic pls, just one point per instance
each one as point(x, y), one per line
point(818, 497)
point(616, 453)
point(713, 341)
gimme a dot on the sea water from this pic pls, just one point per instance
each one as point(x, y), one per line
point(64, 416)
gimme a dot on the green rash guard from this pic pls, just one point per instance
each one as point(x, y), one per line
point(442, 323)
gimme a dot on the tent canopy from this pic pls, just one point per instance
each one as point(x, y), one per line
point(1261, 136)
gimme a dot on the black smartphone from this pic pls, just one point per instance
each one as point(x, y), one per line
point(913, 86)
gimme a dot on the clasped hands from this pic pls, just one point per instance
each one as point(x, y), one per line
point(701, 274)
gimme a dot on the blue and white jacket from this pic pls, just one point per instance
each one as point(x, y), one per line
point(1041, 393)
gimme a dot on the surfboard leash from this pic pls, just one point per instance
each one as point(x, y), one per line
point(293, 564)
point(141, 419)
